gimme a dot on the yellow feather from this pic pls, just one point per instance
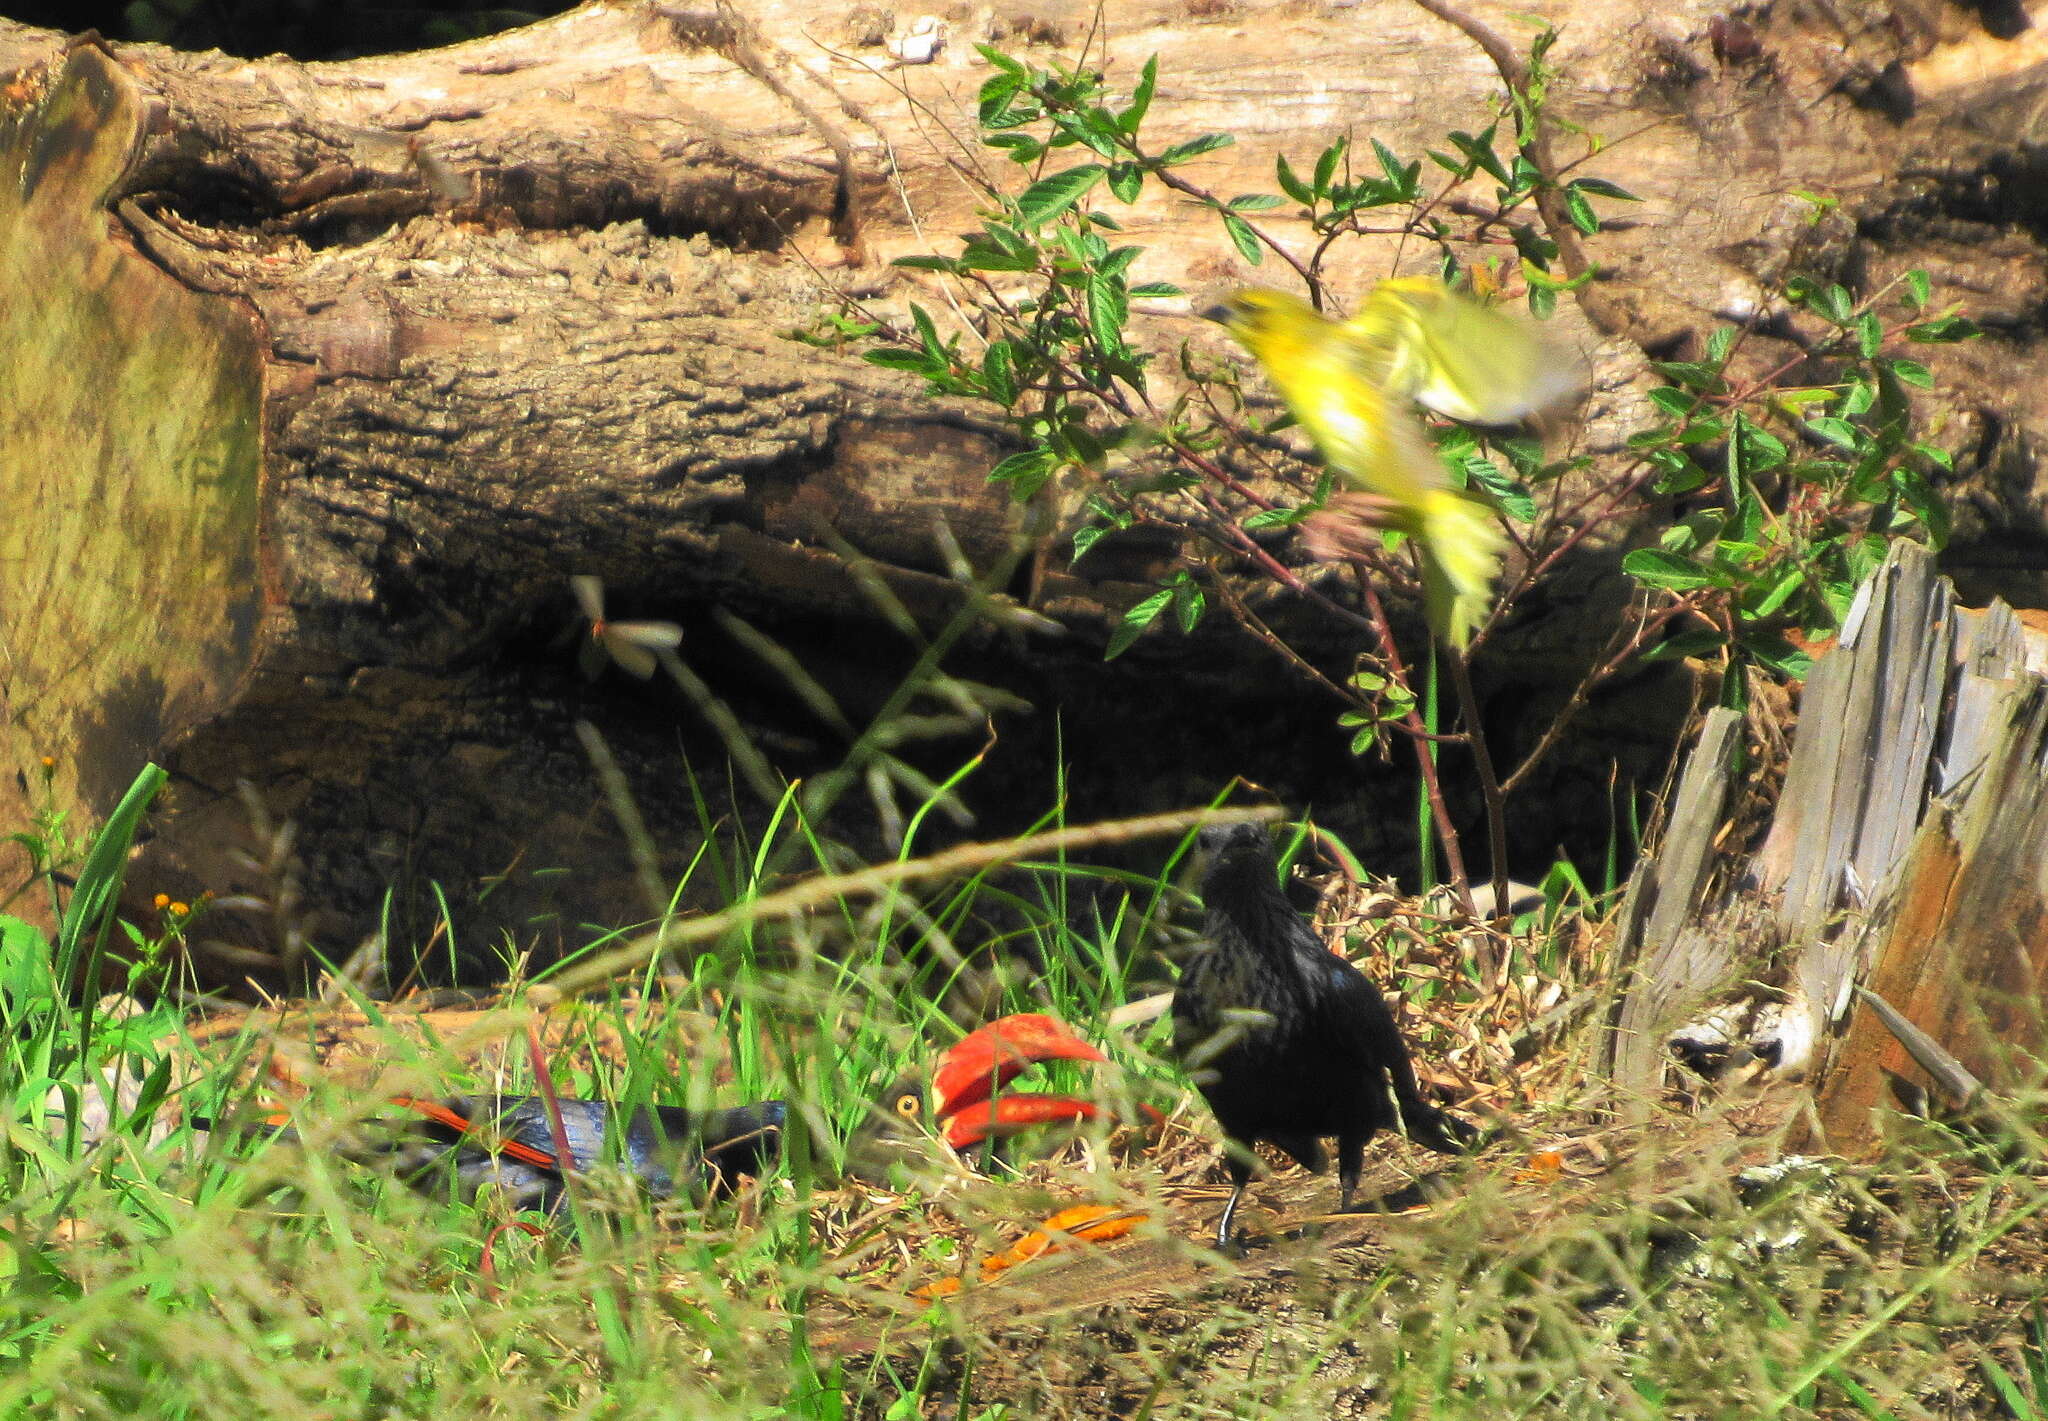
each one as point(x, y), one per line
point(1457, 357)
point(1348, 386)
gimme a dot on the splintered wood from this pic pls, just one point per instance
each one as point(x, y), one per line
point(1908, 853)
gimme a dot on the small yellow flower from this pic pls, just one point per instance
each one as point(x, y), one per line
point(162, 901)
point(179, 910)
point(49, 762)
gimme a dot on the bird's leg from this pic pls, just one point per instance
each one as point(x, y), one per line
point(1350, 1165)
point(1240, 1176)
point(1229, 1212)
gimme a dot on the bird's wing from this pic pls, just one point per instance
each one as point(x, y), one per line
point(1386, 1051)
point(524, 1119)
point(1369, 437)
point(1456, 356)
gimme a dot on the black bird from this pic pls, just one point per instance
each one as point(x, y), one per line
point(1286, 1041)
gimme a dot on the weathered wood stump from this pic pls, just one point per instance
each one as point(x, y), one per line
point(1906, 861)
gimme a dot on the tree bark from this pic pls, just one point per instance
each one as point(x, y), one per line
point(326, 377)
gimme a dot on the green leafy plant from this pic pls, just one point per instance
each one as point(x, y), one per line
point(1773, 497)
point(1793, 490)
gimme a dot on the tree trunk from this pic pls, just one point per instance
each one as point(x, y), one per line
point(324, 379)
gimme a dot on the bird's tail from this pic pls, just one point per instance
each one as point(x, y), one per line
point(1424, 1123)
point(1460, 554)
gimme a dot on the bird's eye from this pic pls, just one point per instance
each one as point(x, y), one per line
point(909, 1106)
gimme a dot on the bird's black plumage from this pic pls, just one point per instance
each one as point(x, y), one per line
point(1286, 1041)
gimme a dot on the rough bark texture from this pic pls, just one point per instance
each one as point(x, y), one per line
point(324, 377)
point(1906, 858)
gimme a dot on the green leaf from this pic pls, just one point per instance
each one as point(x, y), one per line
point(1911, 372)
point(1194, 148)
point(1600, 187)
point(1835, 303)
point(1116, 263)
point(1293, 186)
point(25, 977)
point(1094, 127)
point(1719, 342)
point(1936, 455)
point(999, 88)
point(1025, 472)
point(1693, 532)
point(1835, 431)
point(1790, 581)
point(1479, 153)
point(1869, 334)
point(982, 255)
point(1141, 98)
point(1400, 176)
point(1126, 181)
point(1580, 211)
point(999, 372)
point(1653, 567)
point(927, 333)
point(1777, 655)
point(1011, 67)
point(1023, 148)
point(1277, 517)
point(1156, 289)
point(912, 360)
point(91, 908)
point(1943, 330)
point(1086, 538)
point(1917, 288)
point(1692, 374)
point(1762, 451)
point(1326, 165)
point(1049, 197)
point(1254, 202)
point(933, 263)
point(1005, 103)
point(1135, 622)
point(1108, 308)
point(1189, 603)
point(1673, 401)
point(1686, 645)
point(1243, 238)
point(1512, 495)
point(1925, 504)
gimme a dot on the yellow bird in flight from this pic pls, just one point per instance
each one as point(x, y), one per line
point(1349, 384)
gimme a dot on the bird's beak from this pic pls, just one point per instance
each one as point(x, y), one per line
point(990, 1058)
point(1220, 313)
point(1007, 1114)
point(964, 1088)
